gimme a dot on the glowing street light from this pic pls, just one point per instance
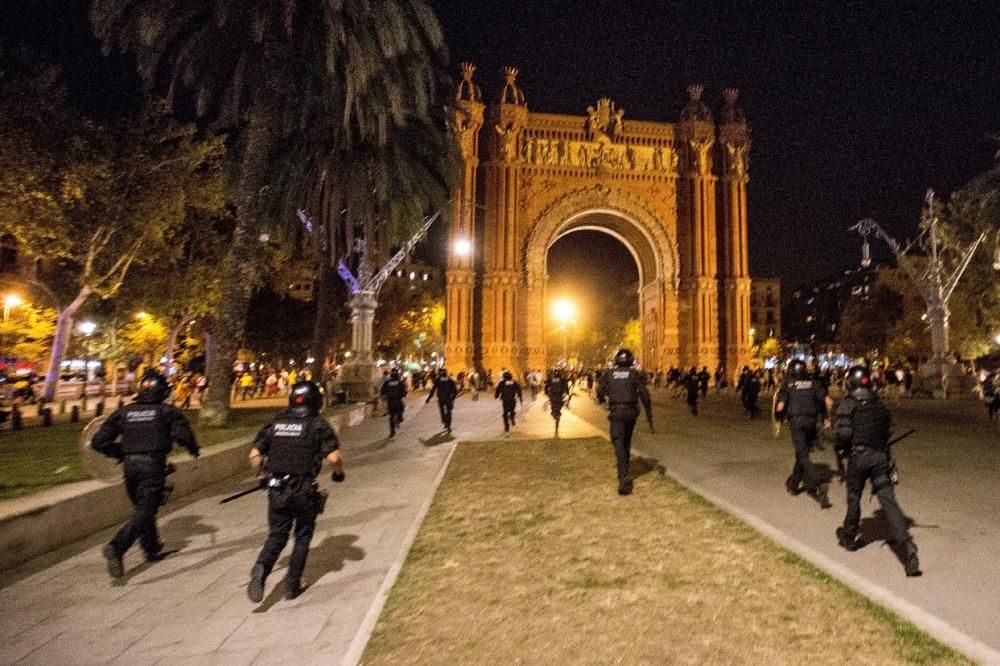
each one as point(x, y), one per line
point(11, 301)
point(564, 310)
point(463, 247)
point(998, 338)
point(141, 315)
point(88, 327)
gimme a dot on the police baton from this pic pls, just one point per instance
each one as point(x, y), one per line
point(261, 485)
point(896, 440)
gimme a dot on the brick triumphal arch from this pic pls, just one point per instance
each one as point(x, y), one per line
point(673, 194)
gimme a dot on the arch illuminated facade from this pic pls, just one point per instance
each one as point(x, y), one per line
point(674, 194)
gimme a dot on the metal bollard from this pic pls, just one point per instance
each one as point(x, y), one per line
point(99, 410)
point(62, 406)
point(46, 414)
point(15, 418)
point(121, 403)
point(74, 414)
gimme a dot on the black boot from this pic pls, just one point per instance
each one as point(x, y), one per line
point(847, 540)
point(625, 487)
point(820, 494)
point(911, 564)
point(114, 561)
point(155, 554)
point(293, 588)
point(255, 588)
point(792, 486)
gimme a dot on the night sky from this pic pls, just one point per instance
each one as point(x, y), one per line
point(856, 108)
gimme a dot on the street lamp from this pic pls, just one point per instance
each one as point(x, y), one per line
point(11, 301)
point(564, 311)
point(463, 247)
point(87, 328)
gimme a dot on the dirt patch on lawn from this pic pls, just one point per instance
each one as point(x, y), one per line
point(529, 556)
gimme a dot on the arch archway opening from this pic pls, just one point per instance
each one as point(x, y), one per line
point(595, 278)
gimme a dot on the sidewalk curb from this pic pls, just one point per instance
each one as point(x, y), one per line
point(357, 648)
point(933, 625)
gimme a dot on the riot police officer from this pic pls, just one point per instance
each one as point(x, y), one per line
point(148, 430)
point(863, 429)
point(393, 391)
point(624, 388)
point(295, 444)
point(447, 390)
point(556, 390)
point(508, 391)
point(802, 400)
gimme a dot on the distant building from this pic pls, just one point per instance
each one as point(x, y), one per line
point(421, 276)
point(813, 313)
point(765, 308)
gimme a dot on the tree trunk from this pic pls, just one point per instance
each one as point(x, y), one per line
point(64, 328)
point(239, 269)
point(209, 352)
point(172, 340)
point(323, 328)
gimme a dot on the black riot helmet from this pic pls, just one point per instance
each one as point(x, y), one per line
point(306, 397)
point(442, 373)
point(153, 387)
point(557, 374)
point(858, 377)
point(508, 375)
point(797, 369)
point(624, 358)
point(394, 374)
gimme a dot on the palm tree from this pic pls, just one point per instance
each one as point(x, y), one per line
point(277, 74)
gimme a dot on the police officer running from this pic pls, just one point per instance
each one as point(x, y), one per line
point(393, 391)
point(802, 399)
point(447, 390)
point(556, 390)
point(863, 429)
point(509, 393)
point(624, 387)
point(295, 444)
point(148, 430)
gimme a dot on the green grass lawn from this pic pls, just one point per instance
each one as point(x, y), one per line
point(529, 556)
point(38, 458)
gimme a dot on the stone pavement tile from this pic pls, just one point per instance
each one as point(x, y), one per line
point(178, 637)
point(280, 625)
point(221, 658)
point(314, 654)
point(87, 645)
point(16, 648)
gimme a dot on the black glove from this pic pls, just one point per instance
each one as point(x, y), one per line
point(337, 477)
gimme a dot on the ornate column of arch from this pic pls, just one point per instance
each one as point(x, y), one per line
point(699, 263)
point(734, 139)
point(501, 261)
point(465, 121)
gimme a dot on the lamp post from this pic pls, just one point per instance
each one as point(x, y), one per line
point(934, 285)
point(87, 328)
point(11, 301)
point(564, 311)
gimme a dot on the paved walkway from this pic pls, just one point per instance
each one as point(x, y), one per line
point(948, 469)
point(192, 607)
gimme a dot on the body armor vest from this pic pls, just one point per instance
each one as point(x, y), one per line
point(145, 429)
point(870, 425)
point(292, 449)
point(508, 391)
point(556, 390)
point(802, 399)
point(394, 389)
point(623, 386)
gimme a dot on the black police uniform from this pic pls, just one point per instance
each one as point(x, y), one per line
point(295, 444)
point(863, 428)
point(805, 401)
point(509, 392)
point(691, 385)
point(446, 390)
point(393, 391)
point(624, 389)
point(556, 390)
point(148, 431)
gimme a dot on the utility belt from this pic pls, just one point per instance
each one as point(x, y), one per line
point(624, 409)
point(286, 490)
